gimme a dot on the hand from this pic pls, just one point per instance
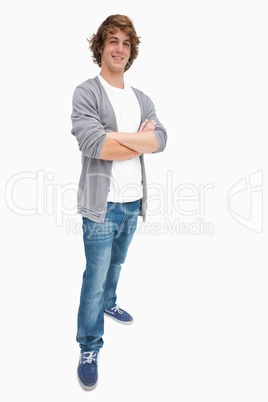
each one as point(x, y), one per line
point(147, 126)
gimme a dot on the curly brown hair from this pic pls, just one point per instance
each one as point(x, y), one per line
point(110, 26)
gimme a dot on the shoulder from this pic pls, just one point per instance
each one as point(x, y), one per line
point(139, 93)
point(144, 99)
point(90, 85)
point(89, 90)
point(146, 103)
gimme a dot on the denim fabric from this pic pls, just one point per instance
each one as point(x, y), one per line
point(106, 245)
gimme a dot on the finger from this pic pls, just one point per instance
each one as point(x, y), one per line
point(143, 125)
point(151, 125)
point(145, 122)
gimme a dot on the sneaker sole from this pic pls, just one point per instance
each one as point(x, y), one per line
point(121, 322)
point(86, 387)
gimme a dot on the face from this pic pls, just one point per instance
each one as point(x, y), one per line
point(116, 51)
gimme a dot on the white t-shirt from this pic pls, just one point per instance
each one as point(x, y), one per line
point(125, 185)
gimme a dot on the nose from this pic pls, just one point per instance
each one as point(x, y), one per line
point(120, 47)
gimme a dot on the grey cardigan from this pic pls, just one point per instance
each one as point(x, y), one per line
point(93, 116)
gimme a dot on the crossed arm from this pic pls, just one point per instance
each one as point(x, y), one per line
point(123, 146)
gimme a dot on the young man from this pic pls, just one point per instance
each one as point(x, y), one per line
point(114, 125)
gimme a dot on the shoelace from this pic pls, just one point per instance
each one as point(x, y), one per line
point(90, 358)
point(117, 309)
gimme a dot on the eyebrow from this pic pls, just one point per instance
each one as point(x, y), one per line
point(115, 37)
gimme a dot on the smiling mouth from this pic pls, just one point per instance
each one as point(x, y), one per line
point(118, 58)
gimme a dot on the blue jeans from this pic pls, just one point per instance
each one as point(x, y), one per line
point(106, 245)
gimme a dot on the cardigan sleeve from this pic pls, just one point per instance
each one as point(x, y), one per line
point(160, 132)
point(86, 124)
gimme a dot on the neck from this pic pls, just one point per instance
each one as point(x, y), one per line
point(114, 79)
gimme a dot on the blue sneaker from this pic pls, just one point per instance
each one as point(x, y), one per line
point(119, 315)
point(88, 370)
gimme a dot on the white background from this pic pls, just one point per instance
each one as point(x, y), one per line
point(199, 300)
